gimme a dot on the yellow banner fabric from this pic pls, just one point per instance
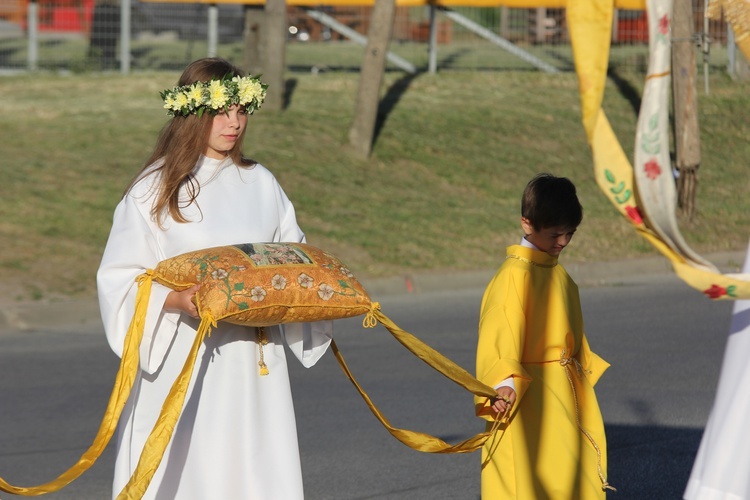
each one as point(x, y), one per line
point(589, 24)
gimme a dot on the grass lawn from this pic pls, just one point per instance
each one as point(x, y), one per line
point(441, 190)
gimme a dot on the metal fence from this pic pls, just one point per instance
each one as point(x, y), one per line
point(85, 35)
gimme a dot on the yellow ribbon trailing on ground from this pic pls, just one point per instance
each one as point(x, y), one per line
point(161, 434)
point(418, 440)
point(123, 384)
point(645, 193)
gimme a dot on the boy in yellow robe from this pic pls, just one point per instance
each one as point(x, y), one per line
point(532, 349)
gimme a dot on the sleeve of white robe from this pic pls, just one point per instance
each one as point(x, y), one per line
point(130, 250)
point(307, 341)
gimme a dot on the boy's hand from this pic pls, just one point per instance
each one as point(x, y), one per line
point(504, 401)
point(182, 301)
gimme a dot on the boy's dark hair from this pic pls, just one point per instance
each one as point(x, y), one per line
point(550, 201)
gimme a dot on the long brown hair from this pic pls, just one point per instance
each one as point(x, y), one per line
point(181, 143)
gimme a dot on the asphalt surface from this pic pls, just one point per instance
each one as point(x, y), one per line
point(64, 314)
point(655, 399)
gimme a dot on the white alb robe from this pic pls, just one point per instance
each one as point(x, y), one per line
point(722, 467)
point(236, 438)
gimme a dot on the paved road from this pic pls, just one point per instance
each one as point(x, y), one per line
point(664, 340)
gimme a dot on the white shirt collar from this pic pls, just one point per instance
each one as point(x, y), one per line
point(526, 243)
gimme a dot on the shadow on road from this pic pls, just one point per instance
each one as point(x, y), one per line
point(649, 461)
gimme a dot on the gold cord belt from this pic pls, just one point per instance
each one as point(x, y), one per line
point(568, 363)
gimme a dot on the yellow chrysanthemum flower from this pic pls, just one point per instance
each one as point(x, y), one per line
point(214, 95)
point(195, 93)
point(169, 102)
point(181, 100)
point(217, 94)
point(249, 89)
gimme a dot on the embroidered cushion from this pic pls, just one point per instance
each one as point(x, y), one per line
point(263, 284)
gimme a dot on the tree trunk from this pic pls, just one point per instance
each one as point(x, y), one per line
point(274, 63)
point(253, 37)
point(686, 130)
point(371, 77)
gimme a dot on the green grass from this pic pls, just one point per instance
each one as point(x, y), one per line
point(441, 190)
point(465, 51)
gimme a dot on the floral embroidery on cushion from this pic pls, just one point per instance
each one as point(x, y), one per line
point(263, 284)
point(325, 291)
point(305, 281)
point(278, 282)
point(258, 293)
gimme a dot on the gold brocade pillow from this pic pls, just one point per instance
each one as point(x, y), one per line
point(263, 284)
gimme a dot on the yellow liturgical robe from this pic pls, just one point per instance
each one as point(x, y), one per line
point(531, 328)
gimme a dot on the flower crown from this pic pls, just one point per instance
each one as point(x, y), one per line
point(215, 96)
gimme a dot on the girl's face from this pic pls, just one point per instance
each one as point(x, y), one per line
point(225, 131)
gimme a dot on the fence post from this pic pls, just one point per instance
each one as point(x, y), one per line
point(504, 21)
point(540, 24)
point(213, 29)
point(731, 52)
point(33, 22)
point(125, 37)
point(433, 41)
point(615, 19)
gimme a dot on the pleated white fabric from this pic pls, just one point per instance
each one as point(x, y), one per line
point(722, 467)
point(236, 437)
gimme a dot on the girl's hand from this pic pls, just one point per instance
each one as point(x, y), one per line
point(183, 301)
point(504, 401)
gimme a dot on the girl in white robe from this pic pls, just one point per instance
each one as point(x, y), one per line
point(722, 467)
point(236, 437)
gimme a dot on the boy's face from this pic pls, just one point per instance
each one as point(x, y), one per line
point(548, 239)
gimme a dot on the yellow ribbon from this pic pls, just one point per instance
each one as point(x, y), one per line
point(417, 440)
point(156, 444)
point(161, 434)
point(123, 384)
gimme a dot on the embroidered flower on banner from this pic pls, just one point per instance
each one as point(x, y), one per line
point(634, 213)
point(664, 24)
point(717, 291)
point(652, 169)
